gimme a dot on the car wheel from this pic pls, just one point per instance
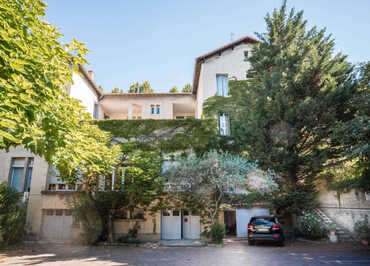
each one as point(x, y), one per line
point(251, 243)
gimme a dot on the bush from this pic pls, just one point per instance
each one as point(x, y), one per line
point(362, 228)
point(311, 226)
point(85, 212)
point(12, 216)
point(217, 232)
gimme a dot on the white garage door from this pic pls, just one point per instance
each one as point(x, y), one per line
point(171, 225)
point(191, 226)
point(243, 217)
point(57, 225)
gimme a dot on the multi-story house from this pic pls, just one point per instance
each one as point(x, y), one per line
point(48, 214)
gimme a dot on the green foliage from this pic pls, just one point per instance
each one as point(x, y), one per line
point(217, 232)
point(143, 88)
point(35, 68)
point(296, 200)
point(286, 113)
point(132, 232)
point(35, 109)
point(12, 216)
point(177, 135)
point(362, 228)
point(117, 90)
point(174, 89)
point(87, 214)
point(137, 184)
point(187, 88)
point(211, 176)
point(248, 200)
point(311, 226)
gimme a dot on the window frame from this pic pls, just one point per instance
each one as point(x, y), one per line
point(220, 86)
point(227, 122)
point(246, 55)
point(24, 173)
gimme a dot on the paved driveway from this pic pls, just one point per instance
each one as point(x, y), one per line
point(235, 253)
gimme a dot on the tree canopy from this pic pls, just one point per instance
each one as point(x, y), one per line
point(214, 175)
point(286, 114)
point(35, 109)
point(187, 88)
point(174, 89)
point(141, 88)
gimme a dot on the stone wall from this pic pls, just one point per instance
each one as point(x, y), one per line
point(346, 208)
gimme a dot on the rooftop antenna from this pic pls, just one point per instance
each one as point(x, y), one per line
point(232, 35)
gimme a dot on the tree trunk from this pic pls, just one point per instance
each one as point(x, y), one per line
point(110, 228)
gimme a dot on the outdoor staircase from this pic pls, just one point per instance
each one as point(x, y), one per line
point(343, 234)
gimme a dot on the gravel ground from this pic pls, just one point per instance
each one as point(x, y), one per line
point(232, 253)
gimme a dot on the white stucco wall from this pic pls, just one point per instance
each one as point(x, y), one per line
point(118, 106)
point(81, 90)
point(230, 62)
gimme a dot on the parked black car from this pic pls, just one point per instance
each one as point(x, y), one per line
point(265, 228)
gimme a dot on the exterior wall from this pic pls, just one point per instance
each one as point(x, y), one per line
point(150, 228)
point(230, 62)
point(81, 90)
point(39, 174)
point(122, 106)
point(345, 209)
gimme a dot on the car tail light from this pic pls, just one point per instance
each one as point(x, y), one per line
point(275, 227)
point(250, 227)
point(276, 236)
point(251, 235)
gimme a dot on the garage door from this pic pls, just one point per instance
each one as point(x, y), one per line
point(171, 224)
point(191, 225)
point(57, 225)
point(243, 217)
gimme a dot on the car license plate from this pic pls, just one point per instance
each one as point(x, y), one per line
point(263, 230)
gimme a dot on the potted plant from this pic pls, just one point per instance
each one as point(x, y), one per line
point(362, 228)
point(332, 236)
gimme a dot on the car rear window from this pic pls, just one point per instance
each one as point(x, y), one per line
point(263, 221)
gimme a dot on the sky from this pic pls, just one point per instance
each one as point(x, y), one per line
point(158, 40)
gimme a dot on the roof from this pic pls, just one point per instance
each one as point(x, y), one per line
point(156, 94)
point(90, 81)
point(200, 59)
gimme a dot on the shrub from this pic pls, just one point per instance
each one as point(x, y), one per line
point(132, 232)
point(217, 232)
point(12, 216)
point(311, 226)
point(85, 211)
point(362, 228)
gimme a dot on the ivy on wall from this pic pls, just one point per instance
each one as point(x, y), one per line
point(167, 136)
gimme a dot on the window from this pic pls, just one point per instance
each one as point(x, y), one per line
point(185, 213)
point(96, 111)
point(222, 85)
point(175, 213)
point(55, 182)
point(29, 174)
point(17, 174)
point(245, 55)
point(166, 213)
point(224, 124)
point(180, 117)
point(155, 109)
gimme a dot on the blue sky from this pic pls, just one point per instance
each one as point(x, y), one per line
point(158, 40)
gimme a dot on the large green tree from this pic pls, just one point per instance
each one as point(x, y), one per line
point(297, 92)
point(35, 109)
point(35, 70)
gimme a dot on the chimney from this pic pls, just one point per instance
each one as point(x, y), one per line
point(91, 74)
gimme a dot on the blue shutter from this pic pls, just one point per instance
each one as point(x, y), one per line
point(219, 85)
point(225, 86)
